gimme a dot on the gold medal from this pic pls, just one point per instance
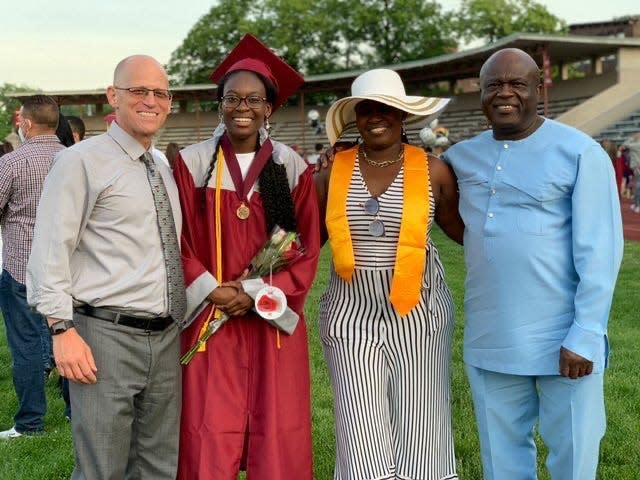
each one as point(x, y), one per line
point(242, 212)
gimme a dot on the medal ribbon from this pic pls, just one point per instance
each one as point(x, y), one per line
point(262, 155)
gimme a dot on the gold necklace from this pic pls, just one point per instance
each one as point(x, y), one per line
point(363, 154)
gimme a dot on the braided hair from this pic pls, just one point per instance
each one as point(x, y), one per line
point(273, 181)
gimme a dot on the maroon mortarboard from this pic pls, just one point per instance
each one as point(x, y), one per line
point(252, 55)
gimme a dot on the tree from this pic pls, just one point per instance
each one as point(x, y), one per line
point(404, 30)
point(210, 40)
point(288, 27)
point(316, 36)
point(8, 105)
point(489, 20)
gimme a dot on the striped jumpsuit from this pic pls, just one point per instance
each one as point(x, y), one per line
point(390, 374)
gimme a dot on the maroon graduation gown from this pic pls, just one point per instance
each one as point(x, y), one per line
point(246, 402)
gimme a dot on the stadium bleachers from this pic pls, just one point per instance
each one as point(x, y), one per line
point(622, 130)
point(464, 120)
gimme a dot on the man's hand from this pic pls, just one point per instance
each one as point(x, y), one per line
point(573, 365)
point(74, 358)
point(326, 157)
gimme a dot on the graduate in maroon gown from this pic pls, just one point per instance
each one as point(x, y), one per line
point(246, 398)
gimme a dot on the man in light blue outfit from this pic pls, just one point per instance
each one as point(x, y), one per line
point(543, 245)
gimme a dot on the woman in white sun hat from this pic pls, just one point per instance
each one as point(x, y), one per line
point(386, 318)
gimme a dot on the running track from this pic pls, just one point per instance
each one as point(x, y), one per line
point(630, 221)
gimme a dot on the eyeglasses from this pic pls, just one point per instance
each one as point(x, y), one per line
point(142, 92)
point(376, 227)
point(252, 101)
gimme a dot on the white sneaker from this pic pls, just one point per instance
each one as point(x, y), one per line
point(11, 433)
point(635, 208)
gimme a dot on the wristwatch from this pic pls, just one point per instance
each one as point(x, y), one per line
point(61, 326)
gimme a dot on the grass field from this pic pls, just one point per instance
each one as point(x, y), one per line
point(50, 457)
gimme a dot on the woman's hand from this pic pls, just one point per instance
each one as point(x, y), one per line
point(241, 303)
point(222, 295)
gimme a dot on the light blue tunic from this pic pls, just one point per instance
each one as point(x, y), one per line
point(543, 245)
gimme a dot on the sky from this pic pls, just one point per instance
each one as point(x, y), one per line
point(60, 45)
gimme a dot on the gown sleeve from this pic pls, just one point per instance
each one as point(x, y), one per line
point(199, 281)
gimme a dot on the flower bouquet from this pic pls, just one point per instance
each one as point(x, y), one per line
point(280, 250)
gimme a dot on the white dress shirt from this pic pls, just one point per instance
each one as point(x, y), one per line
point(96, 238)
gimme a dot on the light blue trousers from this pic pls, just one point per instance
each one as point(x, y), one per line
point(570, 416)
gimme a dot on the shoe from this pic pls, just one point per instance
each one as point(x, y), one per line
point(11, 433)
point(635, 208)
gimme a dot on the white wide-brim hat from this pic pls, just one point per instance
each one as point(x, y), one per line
point(384, 86)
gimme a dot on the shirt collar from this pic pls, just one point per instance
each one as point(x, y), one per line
point(531, 138)
point(42, 139)
point(130, 145)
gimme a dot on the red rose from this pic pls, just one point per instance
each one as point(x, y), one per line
point(268, 304)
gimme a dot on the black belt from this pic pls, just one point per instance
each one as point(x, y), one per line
point(155, 324)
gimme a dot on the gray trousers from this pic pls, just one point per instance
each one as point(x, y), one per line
point(126, 426)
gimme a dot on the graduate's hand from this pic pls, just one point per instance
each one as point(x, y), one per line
point(73, 357)
point(326, 157)
point(222, 295)
point(573, 365)
point(241, 303)
point(244, 275)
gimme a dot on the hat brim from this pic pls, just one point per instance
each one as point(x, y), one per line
point(341, 116)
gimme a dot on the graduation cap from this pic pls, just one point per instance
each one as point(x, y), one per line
point(252, 55)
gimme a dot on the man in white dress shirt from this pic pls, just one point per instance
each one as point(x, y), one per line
point(98, 271)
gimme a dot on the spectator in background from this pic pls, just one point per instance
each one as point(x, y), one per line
point(611, 148)
point(5, 148)
point(440, 145)
point(171, 153)
point(14, 139)
point(22, 174)
point(77, 127)
point(613, 151)
point(313, 158)
point(296, 148)
point(543, 244)
point(626, 186)
point(434, 138)
point(632, 147)
point(64, 132)
point(618, 166)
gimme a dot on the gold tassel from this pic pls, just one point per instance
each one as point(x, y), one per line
point(205, 326)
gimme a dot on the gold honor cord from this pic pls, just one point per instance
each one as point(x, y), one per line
point(215, 312)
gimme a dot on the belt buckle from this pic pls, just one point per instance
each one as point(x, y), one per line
point(147, 324)
point(116, 320)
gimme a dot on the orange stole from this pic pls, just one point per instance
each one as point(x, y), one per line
point(411, 252)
